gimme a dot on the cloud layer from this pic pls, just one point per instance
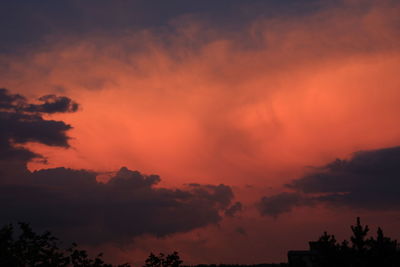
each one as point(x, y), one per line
point(74, 203)
point(77, 207)
point(261, 102)
point(31, 23)
point(369, 180)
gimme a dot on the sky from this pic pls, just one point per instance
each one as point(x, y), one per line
point(230, 131)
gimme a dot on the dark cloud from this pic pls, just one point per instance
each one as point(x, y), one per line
point(369, 180)
point(17, 103)
point(53, 104)
point(280, 203)
point(234, 209)
point(26, 23)
point(73, 203)
point(10, 101)
point(22, 122)
point(241, 230)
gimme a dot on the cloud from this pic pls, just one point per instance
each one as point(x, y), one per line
point(22, 122)
point(34, 23)
point(53, 104)
point(230, 105)
point(76, 206)
point(74, 203)
point(241, 230)
point(369, 180)
point(195, 100)
point(280, 203)
point(234, 209)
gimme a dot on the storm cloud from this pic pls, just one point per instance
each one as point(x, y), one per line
point(77, 207)
point(27, 23)
point(73, 202)
point(369, 180)
point(22, 122)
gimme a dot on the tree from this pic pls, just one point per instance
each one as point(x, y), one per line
point(383, 250)
point(363, 252)
point(171, 260)
point(29, 249)
point(359, 236)
point(328, 250)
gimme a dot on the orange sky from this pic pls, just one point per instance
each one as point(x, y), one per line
point(254, 108)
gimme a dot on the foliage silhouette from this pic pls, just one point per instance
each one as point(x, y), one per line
point(381, 251)
point(240, 265)
point(29, 249)
point(359, 236)
point(171, 260)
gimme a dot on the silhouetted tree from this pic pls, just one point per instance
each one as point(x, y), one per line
point(363, 252)
point(30, 249)
point(359, 236)
point(328, 250)
point(171, 260)
point(383, 250)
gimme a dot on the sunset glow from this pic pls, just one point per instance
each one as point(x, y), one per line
point(194, 101)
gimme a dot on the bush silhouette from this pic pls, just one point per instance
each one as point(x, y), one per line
point(31, 249)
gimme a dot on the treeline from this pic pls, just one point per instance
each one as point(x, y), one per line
point(360, 251)
point(25, 248)
point(240, 265)
point(22, 247)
